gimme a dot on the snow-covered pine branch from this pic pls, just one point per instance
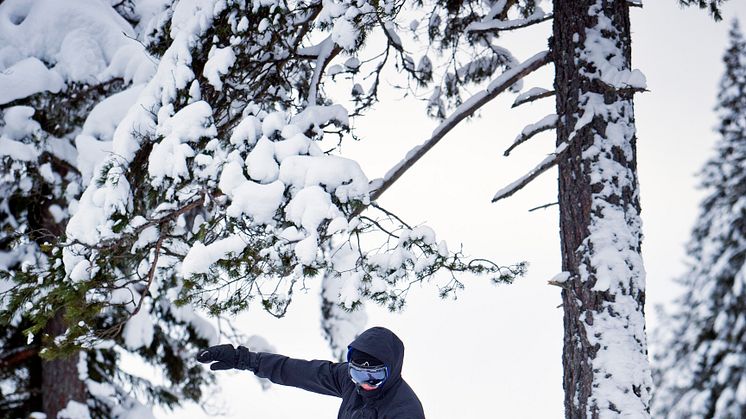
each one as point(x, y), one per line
point(325, 52)
point(498, 25)
point(524, 180)
point(545, 124)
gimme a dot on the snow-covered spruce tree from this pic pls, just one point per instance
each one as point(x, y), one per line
point(216, 193)
point(69, 73)
point(700, 371)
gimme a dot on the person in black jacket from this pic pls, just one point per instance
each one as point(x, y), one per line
point(369, 383)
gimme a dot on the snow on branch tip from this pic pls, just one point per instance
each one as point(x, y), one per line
point(545, 124)
point(531, 95)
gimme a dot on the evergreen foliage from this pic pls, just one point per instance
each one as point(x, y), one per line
point(712, 6)
point(701, 364)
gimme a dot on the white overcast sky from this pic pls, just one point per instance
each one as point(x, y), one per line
point(496, 351)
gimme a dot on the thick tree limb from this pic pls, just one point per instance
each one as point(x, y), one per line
point(542, 167)
point(16, 356)
point(499, 85)
point(545, 124)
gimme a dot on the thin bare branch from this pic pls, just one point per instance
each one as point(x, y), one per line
point(543, 206)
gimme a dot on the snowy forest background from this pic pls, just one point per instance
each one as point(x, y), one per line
point(494, 351)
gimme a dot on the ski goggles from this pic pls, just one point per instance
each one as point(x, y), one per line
point(369, 378)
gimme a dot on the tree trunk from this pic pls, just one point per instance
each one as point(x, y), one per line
point(606, 371)
point(60, 380)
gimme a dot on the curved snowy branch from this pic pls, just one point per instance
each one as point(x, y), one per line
point(545, 124)
point(531, 95)
point(324, 52)
point(499, 85)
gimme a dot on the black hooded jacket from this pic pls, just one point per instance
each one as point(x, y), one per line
point(393, 400)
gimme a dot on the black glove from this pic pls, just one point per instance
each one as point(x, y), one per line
point(228, 357)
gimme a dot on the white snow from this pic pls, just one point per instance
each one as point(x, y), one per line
point(261, 163)
point(218, 64)
point(169, 156)
point(247, 131)
point(337, 175)
point(307, 249)
point(345, 34)
point(27, 77)
point(18, 150)
point(313, 116)
point(94, 142)
point(139, 329)
point(79, 38)
point(106, 115)
point(200, 257)
point(257, 201)
point(309, 207)
point(74, 410)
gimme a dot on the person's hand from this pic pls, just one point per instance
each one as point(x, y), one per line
point(225, 357)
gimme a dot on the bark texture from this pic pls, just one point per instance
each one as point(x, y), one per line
point(597, 183)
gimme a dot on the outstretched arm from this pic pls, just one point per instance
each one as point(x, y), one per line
point(322, 377)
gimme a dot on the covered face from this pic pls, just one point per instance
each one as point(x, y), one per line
point(375, 359)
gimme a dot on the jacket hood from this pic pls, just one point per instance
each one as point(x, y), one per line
point(386, 346)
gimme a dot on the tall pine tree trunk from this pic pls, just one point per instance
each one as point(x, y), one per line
point(606, 371)
point(60, 380)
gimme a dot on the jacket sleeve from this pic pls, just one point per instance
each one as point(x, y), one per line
point(322, 377)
